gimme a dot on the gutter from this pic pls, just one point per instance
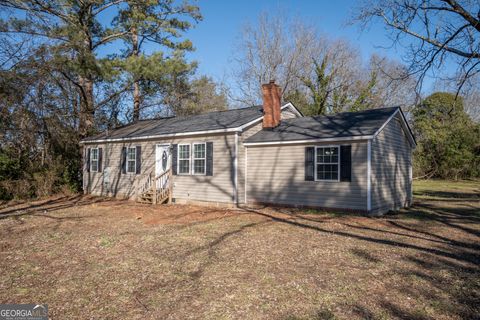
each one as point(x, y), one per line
point(159, 136)
point(266, 143)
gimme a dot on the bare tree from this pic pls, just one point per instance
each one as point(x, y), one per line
point(394, 87)
point(319, 74)
point(276, 47)
point(442, 30)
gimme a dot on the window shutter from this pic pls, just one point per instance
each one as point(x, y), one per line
point(87, 159)
point(100, 156)
point(123, 160)
point(174, 158)
point(138, 160)
point(209, 165)
point(309, 164)
point(346, 163)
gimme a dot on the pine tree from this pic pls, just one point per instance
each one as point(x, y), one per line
point(162, 24)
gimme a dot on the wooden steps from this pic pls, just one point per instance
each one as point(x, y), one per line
point(156, 190)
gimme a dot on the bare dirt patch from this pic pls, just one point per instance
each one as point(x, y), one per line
point(100, 258)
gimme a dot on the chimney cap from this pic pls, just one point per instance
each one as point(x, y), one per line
point(272, 81)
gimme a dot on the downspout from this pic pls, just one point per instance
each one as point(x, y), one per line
point(246, 173)
point(235, 171)
point(105, 169)
point(369, 175)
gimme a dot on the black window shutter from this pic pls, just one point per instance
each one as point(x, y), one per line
point(87, 159)
point(100, 156)
point(209, 165)
point(309, 164)
point(123, 160)
point(174, 158)
point(138, 160)
point(346, 163)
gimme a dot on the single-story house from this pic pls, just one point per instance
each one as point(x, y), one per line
point(270, 154)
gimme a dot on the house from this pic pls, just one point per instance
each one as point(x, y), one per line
point(270, 154)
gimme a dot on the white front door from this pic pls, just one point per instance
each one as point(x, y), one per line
point(163, 159)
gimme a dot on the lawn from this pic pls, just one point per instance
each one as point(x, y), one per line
point(94, 258)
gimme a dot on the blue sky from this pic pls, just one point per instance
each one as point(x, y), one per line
point(214, 38)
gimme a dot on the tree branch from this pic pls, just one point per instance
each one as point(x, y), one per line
point(110, 37)
point(457, 8)
point(474, 55)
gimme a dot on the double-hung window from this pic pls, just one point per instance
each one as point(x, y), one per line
point(131, 160)
point(199, 157)
point(184, 159)
point(94, 160)
point(327, 163)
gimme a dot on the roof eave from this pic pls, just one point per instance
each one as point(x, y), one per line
point(181, 134)
point(161, 136)
point(307, 141)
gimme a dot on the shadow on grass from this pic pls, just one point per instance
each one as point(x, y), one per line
point(448, 195)
point(432, 255)
point(51, 205)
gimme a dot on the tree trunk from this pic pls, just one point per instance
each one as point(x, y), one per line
point(87, 109)
point(136, 101)
point(136, 84)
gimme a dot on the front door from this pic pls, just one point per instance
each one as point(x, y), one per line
point(163, 159)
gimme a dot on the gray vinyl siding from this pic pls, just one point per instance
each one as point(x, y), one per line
point(276, 174)
point(286, 114)
point(241, 159)
point(391, 164)
point(216, 188)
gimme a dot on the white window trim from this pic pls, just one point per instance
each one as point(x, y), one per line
point(91, 159)
point(192, 154)
point(189, 159)
point(339, 161)
point(126, 162)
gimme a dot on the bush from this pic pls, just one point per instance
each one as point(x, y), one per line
point(447, 139)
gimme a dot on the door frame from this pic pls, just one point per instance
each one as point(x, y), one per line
point(170, 158)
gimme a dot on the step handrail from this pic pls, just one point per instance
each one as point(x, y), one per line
point(145, 185)
point(163, 185)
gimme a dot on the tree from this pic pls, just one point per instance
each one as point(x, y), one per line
point(204, 96)
point(440, 30)
point(70, 33)
point(324, 75)
point(319, 88)
point(447, 138)
point(365, 95)
point(152, 22)
point(274, 48)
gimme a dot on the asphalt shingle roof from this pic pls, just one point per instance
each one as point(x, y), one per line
point(207, 121)
point(346, 124)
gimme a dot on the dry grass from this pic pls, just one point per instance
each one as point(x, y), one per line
point(96, 258)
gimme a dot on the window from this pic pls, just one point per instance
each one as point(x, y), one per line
point(94, 160)
point(327, 163)
point(184, 159)
point(131, 160)
point(199, 156)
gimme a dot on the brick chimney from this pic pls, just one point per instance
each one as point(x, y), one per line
point(272, 94)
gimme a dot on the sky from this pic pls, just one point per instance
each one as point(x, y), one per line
point(215, 37)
